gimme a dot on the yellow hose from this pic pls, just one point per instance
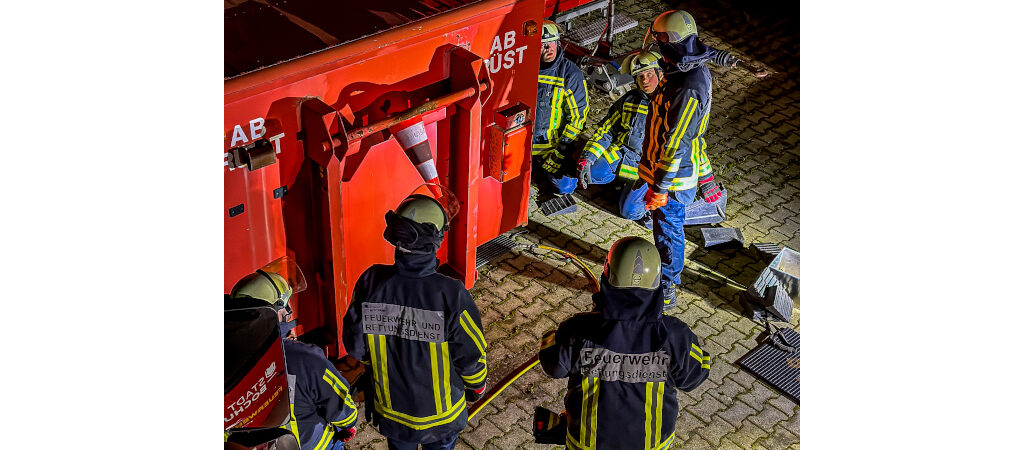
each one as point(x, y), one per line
point(533, 361)
point(579, 262)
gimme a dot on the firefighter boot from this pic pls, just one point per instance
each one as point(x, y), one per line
point(669, 297)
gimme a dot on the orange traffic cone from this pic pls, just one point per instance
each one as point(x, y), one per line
point(412, 136)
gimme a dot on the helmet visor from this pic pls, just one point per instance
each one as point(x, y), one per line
point(286, 267)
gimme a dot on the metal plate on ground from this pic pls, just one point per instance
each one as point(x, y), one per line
point(494, 248)
point(563, 204)
point(700, 212)
point(778, 368)
point(722, 238)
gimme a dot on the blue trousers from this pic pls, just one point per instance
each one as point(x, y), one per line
point(668, 226)
point(443, 444)
point(600, 173)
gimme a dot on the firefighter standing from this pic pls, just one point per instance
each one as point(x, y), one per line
point(674, 163)
point(624, 360)
point(420, 332)
point(619, 138)
point(562, 107)
point(322, 411)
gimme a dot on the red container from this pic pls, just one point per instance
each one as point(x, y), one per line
point(309, 166)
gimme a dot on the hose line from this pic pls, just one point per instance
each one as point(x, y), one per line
point(533, 361)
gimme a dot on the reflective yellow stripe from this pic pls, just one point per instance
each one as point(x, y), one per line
point(476, 377)
point(588, 422)
point(379, 353)
point(435, 378)
point(572, 444)
point(667, 442)
point(649, 437)
point(595, 149)
point(706, 364)
point(634, 107)
point(658, 413)
point(474, 333)
point(573, 127)
point(628, 172)
point(697, 349)
point(445, 364)
point(375, 365)
point(694, 355)
point(556, 115)
point(293, 424)
point(348, 421)
point(691, 107)
point(551, 80)
point(423, 423)
point(325, 439)
point(339, 387)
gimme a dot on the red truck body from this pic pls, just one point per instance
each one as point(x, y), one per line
point(310, 167)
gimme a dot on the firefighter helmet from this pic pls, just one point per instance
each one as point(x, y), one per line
point(550, 32)
point(266, 286)
point(634, 64)
point(677, 24)
point(633, 262)
point(423, 209)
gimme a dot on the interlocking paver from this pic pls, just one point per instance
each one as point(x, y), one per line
point(753, 143)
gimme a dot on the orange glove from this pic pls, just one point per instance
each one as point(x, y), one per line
point(655, 201)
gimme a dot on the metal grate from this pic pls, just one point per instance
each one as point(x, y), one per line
point(768, 250)
point(562, 204)
point(494, 248)
point(591, 32)
point(778, 368)
point(778, 302)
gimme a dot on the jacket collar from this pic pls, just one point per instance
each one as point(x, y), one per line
point(416, 266)
point(622, 304)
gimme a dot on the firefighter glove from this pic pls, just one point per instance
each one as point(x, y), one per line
point(710, 190)
point(654, 200)
point(553, 162)
point(725, 59)
point(583, 171)
point(346, 434)
point(477, 394)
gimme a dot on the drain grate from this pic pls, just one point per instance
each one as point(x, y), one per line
point(778, 368)
point(494, 248)
point(561, 204)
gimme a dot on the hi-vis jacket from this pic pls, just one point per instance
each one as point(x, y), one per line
point(621, 134)
point(421, 333)
point(624, 362)
point(674, 149)
point(562, 105)
point(320, 402)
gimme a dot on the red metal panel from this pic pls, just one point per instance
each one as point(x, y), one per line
point(340, 185)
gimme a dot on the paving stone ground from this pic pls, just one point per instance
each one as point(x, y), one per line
point(754, 146)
